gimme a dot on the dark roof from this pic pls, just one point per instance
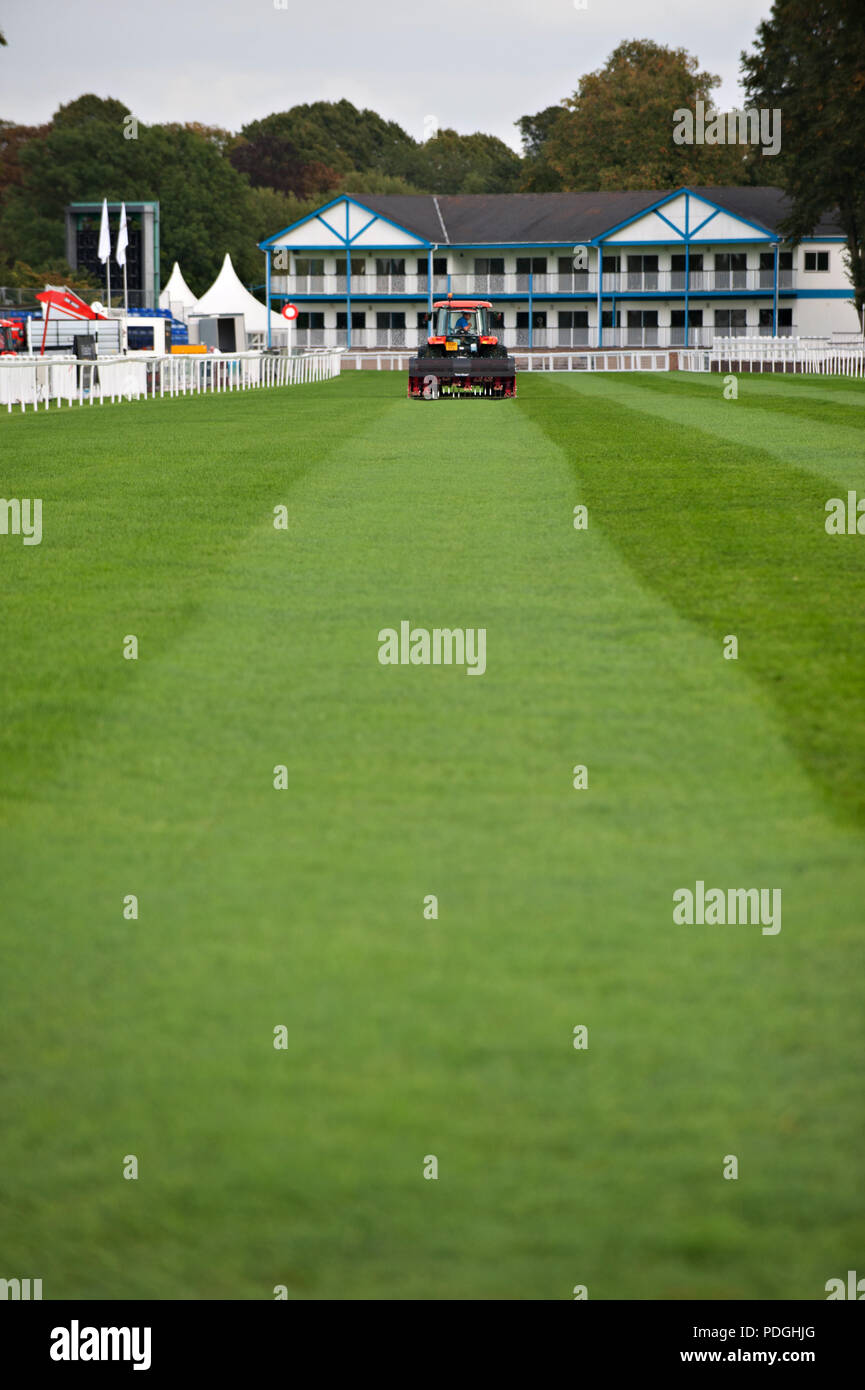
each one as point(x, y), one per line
point(538, 218)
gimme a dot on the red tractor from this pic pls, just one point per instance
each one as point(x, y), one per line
point(462, 357)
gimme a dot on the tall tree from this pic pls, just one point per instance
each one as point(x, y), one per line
point(809, 62)
point(538, 174)
point(453, 163)
point(617, 128)
point(13, 139)
point(336, 136)
point(274, 161)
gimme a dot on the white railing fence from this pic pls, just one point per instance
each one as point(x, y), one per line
point(622, 281)
point(822, 357)
point(410, 337)
point(597, 360)
point(27, 382)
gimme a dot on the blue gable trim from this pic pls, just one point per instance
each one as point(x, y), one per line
point(344, 237)
point(688, 193)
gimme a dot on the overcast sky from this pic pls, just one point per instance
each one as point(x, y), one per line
point(471, 64)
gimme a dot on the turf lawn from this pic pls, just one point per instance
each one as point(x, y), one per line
point(409, 1037)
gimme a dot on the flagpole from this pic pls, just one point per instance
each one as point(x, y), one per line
point(120, 253)
point(108, 278)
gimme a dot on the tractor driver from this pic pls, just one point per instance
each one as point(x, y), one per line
point(463, 323)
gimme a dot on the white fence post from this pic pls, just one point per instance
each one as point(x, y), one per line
point(28, 380)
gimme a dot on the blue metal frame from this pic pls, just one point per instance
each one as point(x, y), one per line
point(267, 295)
point(600, 294)
point(687, 264)
point(531, 321)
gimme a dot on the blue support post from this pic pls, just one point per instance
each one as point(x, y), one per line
point(687, 264)
point(600, 300)
point(687, 285)
point(267, 291)
point(348, 294)
point(775, 294)
point(531, 303)
point(429, 280)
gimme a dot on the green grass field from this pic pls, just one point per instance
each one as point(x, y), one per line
point(410, 1037)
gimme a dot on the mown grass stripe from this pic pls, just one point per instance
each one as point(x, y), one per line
point(731, 532)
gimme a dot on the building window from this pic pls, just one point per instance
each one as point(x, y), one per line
point(731, 270)
point(607, 318)
point(611, 265)
point(531, 265)
point(767, 269)
point(677, 326)
point(571, 279)
point(785, 323)
point(390, 328)
point(304, 266)
point(730, 323)
point(642, 272)
point(816, 260)
point(358, 319)
point(358, 265)
point(306, 320)
point(539, 322)
point(573, 328)
point(490, 265)
point(642, 328)
point(439, 266)
point(767, 260)
point(695, 271)
point(678, 260)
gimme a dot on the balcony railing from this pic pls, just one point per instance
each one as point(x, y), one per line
point(518, 338)
point(622, 282)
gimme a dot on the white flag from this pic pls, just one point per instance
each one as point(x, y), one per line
point(104, 237)
point(122, 238)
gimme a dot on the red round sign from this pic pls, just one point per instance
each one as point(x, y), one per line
point(289, 311)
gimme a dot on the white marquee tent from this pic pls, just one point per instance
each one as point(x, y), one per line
point(228, 296)
point(177, 296)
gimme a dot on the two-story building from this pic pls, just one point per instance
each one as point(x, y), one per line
point(613, 269)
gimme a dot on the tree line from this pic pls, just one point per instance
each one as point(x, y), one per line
point(220, 190)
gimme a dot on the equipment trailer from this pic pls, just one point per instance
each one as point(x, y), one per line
point(462, 357)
